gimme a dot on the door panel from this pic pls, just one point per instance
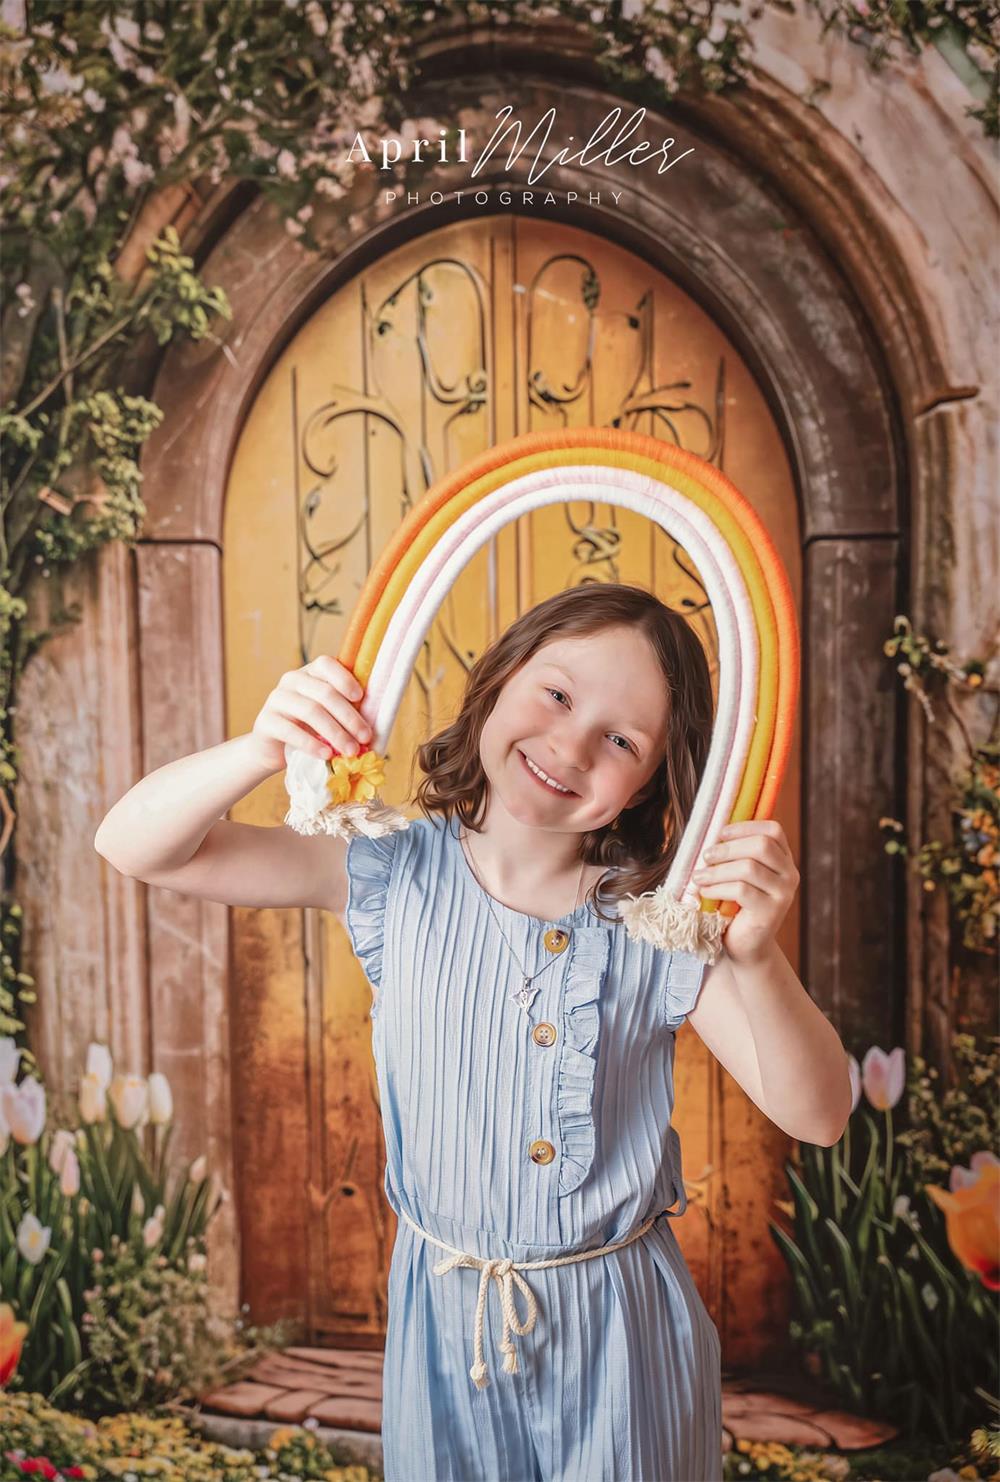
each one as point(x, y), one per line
point(443, 347)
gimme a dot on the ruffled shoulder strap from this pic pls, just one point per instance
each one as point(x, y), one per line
point(682, 982)
point(369, 873)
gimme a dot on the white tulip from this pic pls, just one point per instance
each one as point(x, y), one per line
point(198, 1169)
point(854, 1073)
point(138, 1202)
point(10, 1057)
point(69, 1178)
point(129, 1096)
point(24, 1110)
point(33, 1239)
point(93, 1098)
point(161, 1101)
point(62, 1143)
point(99, 1063)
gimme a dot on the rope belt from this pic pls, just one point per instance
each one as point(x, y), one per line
point(505, 1274)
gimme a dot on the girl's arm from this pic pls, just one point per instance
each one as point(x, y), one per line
point(753, 1013)
point(169, 829)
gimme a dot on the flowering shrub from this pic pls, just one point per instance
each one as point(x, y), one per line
point(102, 1248)
point(39, 1440)
point(895, 1306)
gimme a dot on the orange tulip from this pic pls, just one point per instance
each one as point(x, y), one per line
point(972, 1221)
point(12, 1335)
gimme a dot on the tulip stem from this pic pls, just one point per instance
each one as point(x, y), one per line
point(888, 1146)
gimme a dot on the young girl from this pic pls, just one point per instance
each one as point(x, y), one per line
point(543, 1324)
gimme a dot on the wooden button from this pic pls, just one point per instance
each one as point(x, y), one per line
point(544, 1034)
point(541, 1151)
point(556, 940)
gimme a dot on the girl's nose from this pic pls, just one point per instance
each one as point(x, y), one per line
point(570, 750)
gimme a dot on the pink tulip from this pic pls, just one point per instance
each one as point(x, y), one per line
point(69, 1174)
point(62, 1143)
point(883, 1077)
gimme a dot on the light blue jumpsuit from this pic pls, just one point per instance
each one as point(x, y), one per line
point(619, 1380)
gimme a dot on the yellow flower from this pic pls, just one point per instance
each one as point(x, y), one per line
point(283, 1435)
point(355, 778)
point(339, 781)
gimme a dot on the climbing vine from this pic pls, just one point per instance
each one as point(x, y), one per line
point(966, 32)
point(967, 864)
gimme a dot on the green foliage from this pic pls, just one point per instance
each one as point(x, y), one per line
point(884, 1311)
point(70, 477)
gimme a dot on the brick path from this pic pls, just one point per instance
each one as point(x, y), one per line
point(342, 1388)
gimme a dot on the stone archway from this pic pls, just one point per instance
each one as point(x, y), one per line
point(782, 302)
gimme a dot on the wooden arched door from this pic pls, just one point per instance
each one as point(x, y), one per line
point(436, 351)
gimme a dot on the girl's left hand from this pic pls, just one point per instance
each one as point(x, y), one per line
point(752, 865)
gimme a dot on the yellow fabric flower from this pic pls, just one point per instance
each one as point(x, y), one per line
point(355, 779)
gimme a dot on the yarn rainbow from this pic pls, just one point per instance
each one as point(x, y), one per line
point(745, 581)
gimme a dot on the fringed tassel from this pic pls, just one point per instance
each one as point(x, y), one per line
point(660, 918)
point(312, 784)
point(372, 818)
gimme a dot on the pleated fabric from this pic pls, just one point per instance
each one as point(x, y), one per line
point(620, 1378)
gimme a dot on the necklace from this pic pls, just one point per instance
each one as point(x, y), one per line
point(525, 995)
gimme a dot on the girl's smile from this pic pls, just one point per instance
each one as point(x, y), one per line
point(546, 779)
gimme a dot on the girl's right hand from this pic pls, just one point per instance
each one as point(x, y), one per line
point(312, 709)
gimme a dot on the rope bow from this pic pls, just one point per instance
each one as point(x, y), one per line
point(505, 1274)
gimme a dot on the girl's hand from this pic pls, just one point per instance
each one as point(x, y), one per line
point(752, 865)
point(312, 709)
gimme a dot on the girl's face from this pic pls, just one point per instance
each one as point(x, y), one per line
point(591, 713)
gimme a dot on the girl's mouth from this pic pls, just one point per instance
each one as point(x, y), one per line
point(558, 792)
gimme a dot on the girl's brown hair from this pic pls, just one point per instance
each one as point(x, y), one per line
point(641, 843)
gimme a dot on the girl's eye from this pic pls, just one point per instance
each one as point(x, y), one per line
point(626, 744)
